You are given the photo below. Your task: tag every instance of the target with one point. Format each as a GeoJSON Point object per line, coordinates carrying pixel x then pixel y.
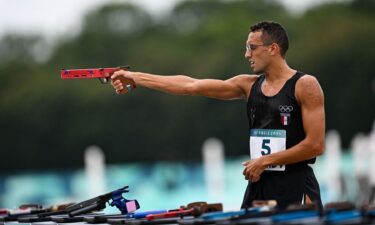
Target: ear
{"type": "Point", "coordinates": [274, 49]}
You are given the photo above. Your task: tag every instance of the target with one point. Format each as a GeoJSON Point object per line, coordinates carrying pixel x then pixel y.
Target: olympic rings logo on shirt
{"type": "Point", "coordinates": [285, 108]}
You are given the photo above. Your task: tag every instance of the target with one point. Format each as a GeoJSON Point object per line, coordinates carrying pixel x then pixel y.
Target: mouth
{"type": "Point", "coordinates": [251, 62]}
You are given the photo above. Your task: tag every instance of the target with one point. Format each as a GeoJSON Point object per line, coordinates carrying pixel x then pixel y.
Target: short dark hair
{"type": "Point", "coordinates": [272, 32]}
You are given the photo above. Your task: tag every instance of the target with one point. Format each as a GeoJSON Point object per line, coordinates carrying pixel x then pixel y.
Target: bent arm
{"type": "Point", "coordinates": [233, 88]}
{"type": "Point", "coordinates": [311, 98]}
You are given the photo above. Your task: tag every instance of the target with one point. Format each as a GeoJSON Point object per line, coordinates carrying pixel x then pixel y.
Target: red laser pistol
{"type": "Point", "coordinates": [103, 74]}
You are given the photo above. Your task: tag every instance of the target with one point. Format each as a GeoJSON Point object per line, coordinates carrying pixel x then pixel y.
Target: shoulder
{"type": "Point", "coordinates": [308, 89]}
{"type": "Point", "coordinates": [244, 81]}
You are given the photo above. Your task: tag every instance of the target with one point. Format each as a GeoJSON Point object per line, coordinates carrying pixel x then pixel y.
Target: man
{"type": "Point", "coordinates": [286, 116]}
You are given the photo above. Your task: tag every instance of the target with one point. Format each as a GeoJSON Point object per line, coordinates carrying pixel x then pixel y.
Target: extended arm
{"type": "Point", "coordinates": [310, 96]}
{"type": "Point", "coordinates": [234, 88]}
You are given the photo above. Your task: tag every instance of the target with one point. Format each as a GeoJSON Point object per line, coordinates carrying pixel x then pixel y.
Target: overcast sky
{"type": "Point", "coordinates": [53, 18]}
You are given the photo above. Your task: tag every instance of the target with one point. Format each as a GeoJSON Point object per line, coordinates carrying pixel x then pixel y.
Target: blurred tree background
{"type": "Point", "coordinates": [46, 122]}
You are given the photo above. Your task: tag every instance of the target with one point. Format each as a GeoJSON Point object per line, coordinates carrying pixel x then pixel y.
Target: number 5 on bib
{"type": "Point", "coordinates": [267, 141]}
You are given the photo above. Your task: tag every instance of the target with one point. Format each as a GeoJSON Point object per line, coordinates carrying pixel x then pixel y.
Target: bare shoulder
{"type": "Point", "coordinates": [309, 89]}
{"type": "Point", "coordinates": [244, 81]}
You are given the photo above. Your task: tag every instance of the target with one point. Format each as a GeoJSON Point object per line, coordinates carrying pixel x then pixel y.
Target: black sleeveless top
{"type": "Point", "coordinates": [281, 112]}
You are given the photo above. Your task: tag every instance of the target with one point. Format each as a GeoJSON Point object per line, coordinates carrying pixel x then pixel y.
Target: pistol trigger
{"type": "Point", "coordinates": [104, 80]}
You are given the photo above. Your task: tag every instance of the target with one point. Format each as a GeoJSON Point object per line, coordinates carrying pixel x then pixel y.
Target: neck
{"type": "Point", "coordinates": [279, 70]}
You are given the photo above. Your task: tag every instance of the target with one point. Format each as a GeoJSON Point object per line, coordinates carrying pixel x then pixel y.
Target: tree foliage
{"type": "Point", "coordinates": [47, 122]}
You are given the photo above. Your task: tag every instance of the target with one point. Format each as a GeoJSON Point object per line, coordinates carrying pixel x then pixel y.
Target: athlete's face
{"type": "Point", "coordinates": [257, 52]}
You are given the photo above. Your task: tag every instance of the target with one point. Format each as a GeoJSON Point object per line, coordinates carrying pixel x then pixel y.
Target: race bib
{"type": "Point", "coordinates": [265, 142]}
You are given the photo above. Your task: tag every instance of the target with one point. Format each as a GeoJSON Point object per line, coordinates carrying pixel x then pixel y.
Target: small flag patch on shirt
{"type": "Point", "coordinates": [285, 118]}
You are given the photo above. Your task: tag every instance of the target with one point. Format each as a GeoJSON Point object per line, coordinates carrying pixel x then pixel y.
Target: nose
{"type": "Point", "coordinates": [248, 54]}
